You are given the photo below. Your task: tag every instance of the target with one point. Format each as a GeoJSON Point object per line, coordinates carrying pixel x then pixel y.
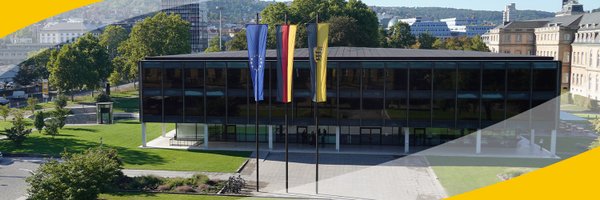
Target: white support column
{"type": "Point", "coordinates": [164, 130]}
{"type": "Point", "coordinates": [553, 142]}
{"type": "Point", "coordinates": [406, 140]}
{"type": "Point", "coordinates": [206, 136]}
{"type": "Point", "coordinates": [478, 142]}
{"type": "Point", "coordinates": [532, 137]}
{"type": "Point", "coordinates": [337, 138]}
{"type": "Point", "coordinates": [270, 137]}
{"type": "Point", "coordinates": [143, 134]}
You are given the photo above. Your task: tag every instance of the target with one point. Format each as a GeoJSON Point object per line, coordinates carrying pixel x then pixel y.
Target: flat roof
{"type": "Point", "coordinates": [363, 53]}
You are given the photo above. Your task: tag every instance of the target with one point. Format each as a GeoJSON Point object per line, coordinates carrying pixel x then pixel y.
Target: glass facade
{"type": "Point", "coordinates": [369, 101]}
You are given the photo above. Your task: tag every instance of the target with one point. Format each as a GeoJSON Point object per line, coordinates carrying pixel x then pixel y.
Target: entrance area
{"type": "Point", "coordinates": [370, 136]}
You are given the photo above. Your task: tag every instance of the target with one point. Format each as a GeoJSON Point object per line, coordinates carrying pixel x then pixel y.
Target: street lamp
{"type": "Point", "coordinates": [220, 9]}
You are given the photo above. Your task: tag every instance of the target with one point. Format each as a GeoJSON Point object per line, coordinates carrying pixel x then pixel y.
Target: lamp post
{"type": "Point", "coordinates": [220, 9]}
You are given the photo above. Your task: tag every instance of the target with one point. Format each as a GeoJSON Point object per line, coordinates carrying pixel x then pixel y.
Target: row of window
{"type": "Point", "coordinates": [583, 58]}
{"type": "Point", "coordinates": [367, 93]}
{"type": "Point", "coordinates": [592, 83]}
{"type": "Point", "coordinates": [587, 37]}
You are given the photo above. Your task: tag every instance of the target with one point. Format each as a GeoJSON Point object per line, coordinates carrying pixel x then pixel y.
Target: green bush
{"type": "Point", "coordinates": [19, 131]}
{"type": "Point", "coordinates": [60, 101]}
{"type": "Point", "coordinates": [139, 183]}
{"type": "Point", "coordinates": [38, 121]}
{"type": "Point", "coordinates": [79, 176]}
{"type": "Point", "coordinates": [102, 97]}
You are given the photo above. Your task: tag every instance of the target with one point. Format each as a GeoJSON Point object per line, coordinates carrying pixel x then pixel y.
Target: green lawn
{"type": "Point", "coordinates": [567, 146]}
{"type": "Point", "coordinates": [145, 196]}
{"type": "Point", "coordinates": [125, 136]}
{"type": "Point", "coordinates": [462, 174]}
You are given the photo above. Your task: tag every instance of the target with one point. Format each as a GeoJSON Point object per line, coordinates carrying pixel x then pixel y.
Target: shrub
{"type": "Point", "coordinates": [18, 132]}
{"type": "Point", "coordinates": [38, 121]}
{"type": "Point", "coordinates": [79, 176]}
{"type": "Point", "coordinates": [60, 101]}
{"type": "Point", "coordinates": [595, 144]}
{"type": "Point", "coordinates": [51, 126]}
{"type": "Point", "coordinates": [4, 111]}
{"type": "Point", "coordinates": [184, 188]}
{"type": "Point", "coordinates": [61, 115]}
{"type": "Point", "coordinates": [175, 182]}
{"type": "Point", "coordinates": [199, 179]}
{"type": "Point", "coordinates": [103, 97]}
{"type": "Point", "coordinates": [235, 184]}
{"type": "Point", "coordinates": [31, 103]}
{"type": "Point", "coordinates": [513, 173]}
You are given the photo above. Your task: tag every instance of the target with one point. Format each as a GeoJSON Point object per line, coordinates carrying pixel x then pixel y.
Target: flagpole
{"type": "Point", "coordinates": [317, 121]}
{"type": "Point", "coordinates": [256, 135]}
{"type": "Point", "coordinates": [286, 132]}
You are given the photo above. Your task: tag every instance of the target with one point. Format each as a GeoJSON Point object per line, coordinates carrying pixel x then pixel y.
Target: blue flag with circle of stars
{"type": "Point", "coordinates": [257, 50]}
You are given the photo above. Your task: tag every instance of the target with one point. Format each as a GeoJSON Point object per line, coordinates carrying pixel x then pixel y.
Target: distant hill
{"type": "Point", "coordinates": [437, 13]}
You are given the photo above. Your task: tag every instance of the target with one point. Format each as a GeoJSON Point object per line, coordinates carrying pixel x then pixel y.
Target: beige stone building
{"type": "Point", "coordinates": [585, 69]}
{"type": "Point", "coordinates": [571, 37]}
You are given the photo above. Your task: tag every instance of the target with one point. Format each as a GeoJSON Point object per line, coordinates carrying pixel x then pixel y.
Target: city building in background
{"type": "Point", "coordinates": [572, 37]}
{"type": "Point", "coordinates": [195, 12]}
{"type": "Point", "coordinates": [420, 25]}
{"type": "Point", "coordinates": [380, 97]}
{"type": "Point", "coordinates": [17, 53]}
{"type": "Point", "coordinates": [509, 13]}
{"type": "Point", "coordinates": [469, 27]}
{"type": "Point", "coordinates": [68, 31]}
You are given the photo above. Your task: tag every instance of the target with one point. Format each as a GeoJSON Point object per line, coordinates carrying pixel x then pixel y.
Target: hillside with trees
{"type": "Point", "coordinates": [436, 13]}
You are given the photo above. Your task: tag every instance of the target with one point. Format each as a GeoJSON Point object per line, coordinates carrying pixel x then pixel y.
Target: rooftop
{"type": "Point", "coordinates": [362, 53]}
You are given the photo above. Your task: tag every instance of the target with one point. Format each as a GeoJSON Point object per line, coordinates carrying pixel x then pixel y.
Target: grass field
{"type": "Point", "coordinates": [125, 136]}
{"type": "Point", "coordinates": [461, 174]}
{"type": "Point", "coordinates": [152, 196]}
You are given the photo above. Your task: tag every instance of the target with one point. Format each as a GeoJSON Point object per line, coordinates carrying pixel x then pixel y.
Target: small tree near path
{"type": "Point", "coordinates": [38, 121]}
{"type": "Point", "coordinates": [31, 103]}
{"type": "Point", "coordinates": [18, 132]}
{"type": "Point", "coordinates": [51, 126]}
{"type": "Point", "coordinates": [4, 111]}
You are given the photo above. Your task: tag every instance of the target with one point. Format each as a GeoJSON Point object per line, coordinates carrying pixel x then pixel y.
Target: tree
{"type": "Point", "coordinates": [400, 36]}
{"type": "Point", "coordinates": [213, 45]}
{"type": "Point", "coordinates": [4, 111]}
{"type": "Point", "coordinates": [18, 132]}
{"type": "Point", "coordinates": [158, 35]}
{"type": "Point", "coordinates": [80, 65]}
{"type": "Point", "coordinates": [31, 103]}
{"type": "Point", "coordinates": [477, 44]}
{"type": "Point", "coordinates": [304, 11]}
{"type": "Point", "coordinates": [60, 101]}
{"type": "Point", "coordinates": [111, 38]}
{"type": "Point", "coordinates": [238, 43]}
{"type": "Point", "coordinates": [61, 115]}
{"type": "Point", "coordinates": [425, 41]}
{"type": "Point", "coordinates": [34, 68]}
{"type": "Point", "coordinates": [51, 126]}
{"type": "Point", "coordinates": [78, 176]}
{"type": "Point", "coordinates": [439, 44]}
{"type": "Point", "coordinates": [38, 121]}
{"type": "Point", "coordinates": [344, 31]}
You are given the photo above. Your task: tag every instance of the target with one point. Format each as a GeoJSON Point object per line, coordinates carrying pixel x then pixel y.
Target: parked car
{"type": "Point", "coordinates": [4, 101]}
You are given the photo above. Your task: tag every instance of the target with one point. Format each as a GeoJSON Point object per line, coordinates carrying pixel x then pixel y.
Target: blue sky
{"type": "Point", "coordinates": [497, 5]}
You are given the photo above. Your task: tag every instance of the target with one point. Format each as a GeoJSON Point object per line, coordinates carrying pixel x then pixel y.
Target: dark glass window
{"type": "Point", "coordinates": [216, 101]}
{"type": "Point", "coordinates": [152, 75]}
{"type": "Point", "coordinates": [302, 92]}
{"type": "Point", "coordinates": [173, 76]}
{"type": "Point", "coordinates": [396, 93]}
{"type": "Point", "coordinates": [420, 92]}
{"type": "Point", "coordinates": [373, 80]}
{"type": "Point", "coordinates": [444, 92]}
{"type": "Point", "coordinates": [350, 78]}
{"type": "Point", "coordinates": [545, 77]}
{"type": "Point", "coordinates": [173, 91]}
{"type": "Point", "coordinates": [494, 76]}
{"type": "Point", "coordinates": [519, 77]}
{"type": "Point", "coordinates": [328, 110]}
{"type": "Point", "coordinates": [238, 80]}
{"type": "Point", "coordinates": [194, 92]}
{"type": "Point", "coordinates": [152, 101]}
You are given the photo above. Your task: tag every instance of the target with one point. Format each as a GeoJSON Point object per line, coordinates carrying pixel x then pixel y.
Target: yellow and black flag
{"type": "Point", "coordinates": [318, 37]}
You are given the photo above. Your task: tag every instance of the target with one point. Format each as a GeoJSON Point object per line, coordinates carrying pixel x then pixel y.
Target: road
{"type": "Point", "coordinates": [13, 172]}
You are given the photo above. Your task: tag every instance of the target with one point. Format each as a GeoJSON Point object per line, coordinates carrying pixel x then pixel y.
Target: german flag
{"type": "Point", "coordinates": [286, 42]}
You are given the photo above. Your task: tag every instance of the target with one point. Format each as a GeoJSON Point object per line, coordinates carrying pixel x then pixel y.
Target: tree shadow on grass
{"type": "Point", "coordinates": [55, 146]}
{"type": "Point", "coordinates": [82, 129]}
{"type": "Point", "coordinates": [131, 195]}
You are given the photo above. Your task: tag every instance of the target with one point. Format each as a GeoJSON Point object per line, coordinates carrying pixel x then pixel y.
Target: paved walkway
{"type": "Point", "coordinates": [344, 176]}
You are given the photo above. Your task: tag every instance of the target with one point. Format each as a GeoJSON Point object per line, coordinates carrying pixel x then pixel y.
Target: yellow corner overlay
{"type": "Point", "coordinates": [574, 178]}
{"type": "Point", "coordinates": [18, 14]}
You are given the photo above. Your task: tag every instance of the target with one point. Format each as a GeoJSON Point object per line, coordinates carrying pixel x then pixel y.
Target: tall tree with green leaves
{"type": "Point", "coordinates": [400, 36]}
{"type": "Point", "coordinates": [34, 68]}
{"type": "Point", "coordinates": [425, 41]}
{"type": "Point", "coordinates": [477, 44]}
{"type": "Point", "coordinates": [158, 35]}
{"type": "Point", "coordinates": [213, 45]}
{"type": "Point", "coordinates": [79, 65]}
{"type": "Point", "coordinates": [343, 31]}
{"type": "Point", "coordinates": [238, 43]}
{"type": "Point", "coordinates": [111, 38]}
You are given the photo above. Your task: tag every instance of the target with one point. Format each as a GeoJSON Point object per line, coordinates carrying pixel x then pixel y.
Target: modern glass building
{"type": "Point", "coordinates": [389, 97]}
